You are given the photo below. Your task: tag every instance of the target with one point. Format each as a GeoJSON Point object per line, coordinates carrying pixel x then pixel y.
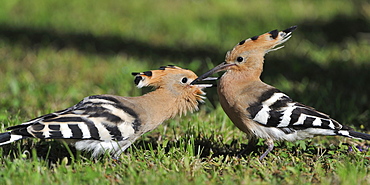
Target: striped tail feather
{"type": "Point", "coordinates": [354, 134]}
{"type": "Point", "coordinates": [8, 137]}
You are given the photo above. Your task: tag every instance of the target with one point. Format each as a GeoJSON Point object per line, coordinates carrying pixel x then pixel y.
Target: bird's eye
{"type": "Point", "coordinates": [240, 59]}
{"type": "Point", "coordinates": [184, 80]}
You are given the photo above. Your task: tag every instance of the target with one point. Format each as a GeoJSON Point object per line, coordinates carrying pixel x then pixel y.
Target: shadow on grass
{"type": "Point", "coordinates": [336, 30]}
{"type": "Point", "coordinates": [51, 151]}
{"type": "Point", "coordinates": [207, 148]}
{"type": "Point", "coordinates": [54, 152]}
{"type": "Point", "coordinates": [105, 45]}
{"type": "Point", "coordinates": [204, 147]}
{"type": "Point", "coordinates": [319, 32]}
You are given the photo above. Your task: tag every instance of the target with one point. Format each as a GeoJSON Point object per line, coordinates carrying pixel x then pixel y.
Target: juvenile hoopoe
{"type": "Point", "coordinates": [261, 110]}
{"type": "Point", "coordinates": [112, 123]}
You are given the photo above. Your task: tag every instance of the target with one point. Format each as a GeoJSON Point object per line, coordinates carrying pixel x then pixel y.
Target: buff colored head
{"type": "Point", "coordinates": [173, 78]}
{"type": "Point", "coordinates": [245, 54]}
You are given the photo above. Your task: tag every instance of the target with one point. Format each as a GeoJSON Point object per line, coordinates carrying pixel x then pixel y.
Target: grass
{"type": "Point", "coordinates": [53, 54]}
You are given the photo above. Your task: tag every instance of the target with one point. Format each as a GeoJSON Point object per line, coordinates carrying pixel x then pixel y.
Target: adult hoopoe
{"type": "Point", "coordinates": [261, 110]}
{"type": "Point", "coordinates": [112, 123]}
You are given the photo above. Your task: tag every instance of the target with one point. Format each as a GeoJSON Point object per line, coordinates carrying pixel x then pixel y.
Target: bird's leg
{"type": "Point", "coordinates": [270, 146]}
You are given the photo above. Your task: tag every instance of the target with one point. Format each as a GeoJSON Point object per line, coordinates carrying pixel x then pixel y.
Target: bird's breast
{"type": "Point", "coordinates": [234, 108]}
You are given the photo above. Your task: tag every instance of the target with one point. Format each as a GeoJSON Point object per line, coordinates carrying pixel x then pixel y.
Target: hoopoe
{"type": "Point", "coordinates": [261, 110]}
{"type": "Point", "coordinates": [112, 123]}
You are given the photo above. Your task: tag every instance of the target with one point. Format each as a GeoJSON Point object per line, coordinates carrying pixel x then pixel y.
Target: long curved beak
{"type": "Point", "coordinates": [220, 67]}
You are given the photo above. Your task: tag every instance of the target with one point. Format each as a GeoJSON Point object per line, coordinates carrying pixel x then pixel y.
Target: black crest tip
{"type": "Point", "coordinates": [148, 73]}
{"type": "Point", "coordinates": [242, 42]}
{"type": "Point", "coordinates": [134, 73]}
{"type": "Point", "coordinates": [255, 37]}
{"type": "Point", "coordinates": [291, 29]}
{"type": "Point", "coordinates": [167, 66]}
{"type": "Point", "coordinates": [274, 33]}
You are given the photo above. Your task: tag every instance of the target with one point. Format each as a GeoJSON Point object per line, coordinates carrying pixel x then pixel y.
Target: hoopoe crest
{"type": "Point", "coordinates": [261, 110]}
{"type": "Point", "coordinates": [101, 123]}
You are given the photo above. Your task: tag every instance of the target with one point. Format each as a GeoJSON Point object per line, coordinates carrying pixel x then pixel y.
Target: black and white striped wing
{"type": "Point", "coordinates": [276, 109]}
{"type": "Point", "coordinates": [99, 117]}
